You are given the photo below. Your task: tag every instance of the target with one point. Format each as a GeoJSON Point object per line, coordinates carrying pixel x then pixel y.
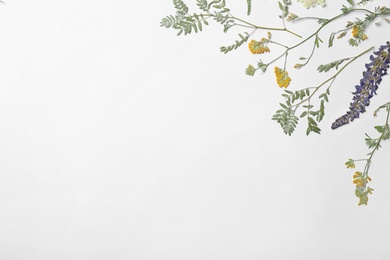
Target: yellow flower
{"type": "Point", "coordinates": [359, 179]}
{"type": "Point", "coordinates": [258, 47]}
{"type": "Point", "coordinates": [355, 33]}
{"type": "Point", "coordinates": [282, 77]}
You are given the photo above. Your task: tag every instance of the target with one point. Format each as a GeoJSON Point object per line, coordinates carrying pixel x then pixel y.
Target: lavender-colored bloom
{"type": "Point", "coordinates": [368, 86]}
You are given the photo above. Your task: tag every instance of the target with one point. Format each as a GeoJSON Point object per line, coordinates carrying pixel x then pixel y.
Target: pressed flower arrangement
{"type": "Point", "coordinates": [297, 103]}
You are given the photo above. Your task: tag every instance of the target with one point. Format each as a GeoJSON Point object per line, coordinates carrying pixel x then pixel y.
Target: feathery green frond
{"type": "Point", "coordinates": [238, 43]}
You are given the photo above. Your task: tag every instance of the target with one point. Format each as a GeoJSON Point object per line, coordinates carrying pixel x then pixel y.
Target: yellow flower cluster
{"type": "Point", "coordinates": [356, 31]}
{"type": "Point", "coordinates": [258, 47]}
{"type": "Point", "coordinates": [282, 78]}
{"type": "Point", "coordinates": [360, 180]}
{"type": "Point", "coordinates": [361, 191]}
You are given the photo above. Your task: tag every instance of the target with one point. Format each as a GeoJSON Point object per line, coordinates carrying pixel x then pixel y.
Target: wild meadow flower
{"type": "Point", "coordinates": [258, 47]}
{"type": "Point", "coordinates": [368, 86]}
{"type": "Point", "coordinates": [282, 78]}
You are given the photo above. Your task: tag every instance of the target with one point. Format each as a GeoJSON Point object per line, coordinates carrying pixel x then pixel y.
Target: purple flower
{"type": "Point", "coordinates": [368, 86]}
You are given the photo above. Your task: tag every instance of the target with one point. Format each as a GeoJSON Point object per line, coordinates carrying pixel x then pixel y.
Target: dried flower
{"type": "Point", "coordinates": [291, 17]}
{"type": "Point", "coordinates": [282, 77]}
{"type": "Point", "coordinates": [357, 32]}
{"type": "Point", "coordinates": [258, 47]}
{"type": "Point", "coordinates": [368, 86]}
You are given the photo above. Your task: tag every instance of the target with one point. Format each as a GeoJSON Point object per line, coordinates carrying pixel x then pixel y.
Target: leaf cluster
{"type": "Point", "coordinates": [293, 99]}
{"type": "Point", "coordinates": [286, 118]}
{"type": "Point", "coordinates": [249, 7]}
{"type": "Point", "coordinates": [284, 7]}
{"type": "Point", "coordinates": [184, 22]}
{"type": "Point", "coordinates": [286, 115]}
{"type": "Point", "coordinates": [374, 143]}
{"type": "Point", "coordinates": [238, 43]}
{"type": "Point", "coordinates": [329, 66]}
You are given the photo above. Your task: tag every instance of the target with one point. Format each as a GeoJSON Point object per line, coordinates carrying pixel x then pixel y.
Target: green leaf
{"type": "Point", "coordinates": [379, 128]}
{"type": "Point", "coordinates": [329, 66]}
{"type": "Point", "coordinates": [238, 43]}
{"type": "Point", "coordinates": [249, 7]}
{"type": "Point", "coordinates": [331, 39]}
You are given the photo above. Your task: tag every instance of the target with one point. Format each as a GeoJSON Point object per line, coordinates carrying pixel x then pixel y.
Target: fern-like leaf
{"type": "Point", "coordinates": [249, 7]}
{"type": "Point", "coordinates": [180, 6]}
{"type": "Point", "coordinates": [203, 5]}
{"type": "Point", "coordinates": [286, 118]}
{"type": "Point", "coordinates": [238, 43]}
{"type": "Point", "coordinates": [329, 66]}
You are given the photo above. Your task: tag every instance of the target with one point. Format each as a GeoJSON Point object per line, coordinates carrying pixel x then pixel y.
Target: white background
{"type": "Point", "coordinates": [120, 140]}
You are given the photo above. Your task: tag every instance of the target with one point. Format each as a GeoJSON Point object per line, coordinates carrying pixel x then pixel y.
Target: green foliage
{"type": "Point", "coordinates": [361, 178]}
{"type": "Point", "coordinates": [262, 66]}
{"type": "Point", "coordinates": [203, 5]}
{"type": "Point", "coordinates": [333, 64]}
{"type": "Point", "coordinates": [364, 2]}
{"type": "Point", "coordinates": [250, 70]}
{"type": "Point", "coordinates": [284, 8]}
{"type": "Point", "coordinates": [346, 10]}
{"type": "Point", "coordinates": [180, 7]}
{"type": "Point", "coordinates": [183, 22]}
{"type": "Point", "coordinates": [186, 24]}
{"type": "Point", "coordinates": [286, 118]}
{"type": "Point", "coordinates": [312, 126]}
{"type": "Point", "coordinates": [297, 102]}
{"type": "Point", "coordinates": [238, 43]}
{"type": "Point", "coordinates": [293, 100]}
{"type": "Point", "coordinates": [322, 21]}
{"type": "Point", "coordinates": [249, 7]}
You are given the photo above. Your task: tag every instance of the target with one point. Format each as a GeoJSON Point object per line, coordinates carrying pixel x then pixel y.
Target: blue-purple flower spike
{"type": "Point", "coordinates": [372, 77]}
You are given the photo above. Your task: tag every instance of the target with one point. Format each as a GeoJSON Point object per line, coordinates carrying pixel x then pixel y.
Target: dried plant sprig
{"type": "Point", "coordinates": [368, 86]}
{"type": "Point", "coordinates": [309, 99]}
{"type": "Point", "coordinates": [303, 97]}
{"type": "Point", "coordinates": [361, 178]}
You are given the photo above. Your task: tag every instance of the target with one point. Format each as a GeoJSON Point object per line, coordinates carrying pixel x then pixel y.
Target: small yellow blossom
{"type": "Point", "coordinates": [350, 164]}
{"type": "Point", "coordinates": [282, 77]}
{"type": "Point", "coordinates": [355, 33]}
{"type": "Point", "coordinates": [258, 47]}
{"type": "Point", "coordinates": [359, 179]}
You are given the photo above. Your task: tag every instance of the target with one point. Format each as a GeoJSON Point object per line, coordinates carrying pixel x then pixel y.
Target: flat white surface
{"type": "Point", "coordinates": [119, 140]}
